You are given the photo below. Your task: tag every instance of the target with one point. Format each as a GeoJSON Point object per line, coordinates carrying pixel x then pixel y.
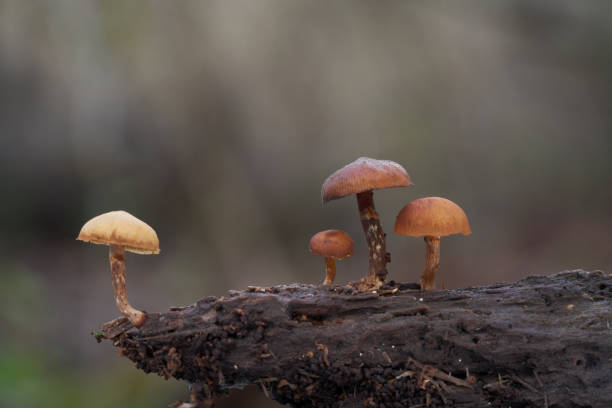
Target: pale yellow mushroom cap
{"type": "Point", "coordinates": [123, 229]}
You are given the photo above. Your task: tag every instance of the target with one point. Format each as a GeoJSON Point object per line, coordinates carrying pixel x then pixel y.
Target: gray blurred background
{"type": "Point", "coordinates": [216, 123]}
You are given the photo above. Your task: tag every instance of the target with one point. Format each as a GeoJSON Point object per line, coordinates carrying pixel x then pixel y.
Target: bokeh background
{"type": "Point", "coordinates": [216, 122]}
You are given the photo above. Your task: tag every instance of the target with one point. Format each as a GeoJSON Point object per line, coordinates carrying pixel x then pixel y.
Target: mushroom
{"type": "Point", "coordinates": [361, 177]}
{"type": "Point", "coordinates": [122, 232]}
{"type": "Point", "coordinates": [431, 217]}
{"type": "Point", "coordinates": [332, 245]}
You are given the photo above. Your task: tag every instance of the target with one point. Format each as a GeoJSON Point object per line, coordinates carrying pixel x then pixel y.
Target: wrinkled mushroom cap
{"type": "Point", "coordinates": [432, 216]}
{"type": "Point", "coordinates": [362, 175]}
{"type": "Point", "coordinates": [332, 244]}
{"type": "Point", "coordinates": [122, 229]}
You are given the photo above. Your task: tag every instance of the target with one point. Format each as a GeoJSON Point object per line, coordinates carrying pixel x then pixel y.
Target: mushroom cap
{"type": "Point", "coordinates": [432, 216]}
{"type": "Point", "coordinates": [122, 229]}
{"type": "Point", "coordinates": [362, 175]}
{"type": "Point", "coordinates": [332, 244]}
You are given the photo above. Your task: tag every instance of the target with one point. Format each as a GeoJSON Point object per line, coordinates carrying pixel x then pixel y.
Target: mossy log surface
{"type": "Point", "coordinates": [544, 341]}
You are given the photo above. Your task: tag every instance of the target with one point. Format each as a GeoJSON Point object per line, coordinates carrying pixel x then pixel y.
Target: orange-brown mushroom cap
{"type": "Point", "coordinates": [122, 229]}
{"type": "Point", "coordinates": [334, 244]}
{"type": "Point", "coordinates": [364, 174]}
{"type": "Point", "coordinates": [432, 216]}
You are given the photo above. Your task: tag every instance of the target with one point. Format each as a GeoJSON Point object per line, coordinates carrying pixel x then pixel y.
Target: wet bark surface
{"type": "Point", "coordinates": [543, 341]}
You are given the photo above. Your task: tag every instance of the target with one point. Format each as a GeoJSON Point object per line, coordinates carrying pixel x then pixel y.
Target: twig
{"type": "Point", "coordinates": [525, 384]}
{"type": "Point", "coordinates": [537, 377]}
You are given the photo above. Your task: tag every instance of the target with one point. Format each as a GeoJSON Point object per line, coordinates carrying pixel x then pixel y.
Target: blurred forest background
{"type": "Point", "coordinates": [216, 122]}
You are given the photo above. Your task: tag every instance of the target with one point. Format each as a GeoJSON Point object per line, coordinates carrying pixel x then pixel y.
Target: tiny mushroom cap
{"type": "Point", "coordinates": [362, 175]}
{"type": "Point", "coordinates": [122, 229]}
{"type": "Point", "coordinates": [334, 244]}
{"type": "Point", "coordinates": [432, 216]}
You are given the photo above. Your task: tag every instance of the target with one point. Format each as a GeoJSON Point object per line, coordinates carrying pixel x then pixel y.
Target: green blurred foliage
{"type": "Point", "coordinates": [29, 379]}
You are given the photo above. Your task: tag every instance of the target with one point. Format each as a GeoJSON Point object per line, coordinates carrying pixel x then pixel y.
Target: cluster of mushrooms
{"type": "Point", "coordinates": [431, 217]}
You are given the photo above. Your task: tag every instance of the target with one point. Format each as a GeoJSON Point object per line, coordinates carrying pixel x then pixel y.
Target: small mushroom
{"type": "Point", "coordinates": [122, 232]}
{"type": "Point", "coordinates": [332, 245]}
{"type": "Point", "coordinates": [361, 177]}
{"type": "Point", "coordinates": [431, 217]}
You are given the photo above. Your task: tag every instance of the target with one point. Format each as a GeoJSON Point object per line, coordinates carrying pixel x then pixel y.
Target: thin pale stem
{"type": "Point", "coordinates": [375, 236]}
{"type": "Point", "coordinates": [432, 262]}
{"type": "Point", "coordinates": [330, 271]}
{"type": "Point", "coordinates": [117, 261]}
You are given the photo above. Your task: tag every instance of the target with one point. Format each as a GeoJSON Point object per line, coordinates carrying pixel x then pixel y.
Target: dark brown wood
{"type": "Point", "coordinates": [375, 237]}
{"type": "Point", "coordinates": [544, 341]}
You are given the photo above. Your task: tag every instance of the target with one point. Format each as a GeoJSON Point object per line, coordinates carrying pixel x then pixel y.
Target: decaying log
{"type": "Point", "coordinates": [544, 341]}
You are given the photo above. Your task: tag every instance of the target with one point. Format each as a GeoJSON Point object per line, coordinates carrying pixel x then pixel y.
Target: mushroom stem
{"type": "Point", "coordinates": [117, 261]}
{"type": "Point", "coordinates": [375, 236]}
{"type": "Point", "coordinates": [330, 270]}
{"type": "Point", "coordinates": [432, 262]}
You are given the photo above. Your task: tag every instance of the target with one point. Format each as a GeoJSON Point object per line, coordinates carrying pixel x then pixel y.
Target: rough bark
{"type": "Point", "coordinates": [544, 341]}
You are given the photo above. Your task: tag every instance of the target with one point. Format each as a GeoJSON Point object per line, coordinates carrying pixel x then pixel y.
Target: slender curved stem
{"type": "Point", "coordinates": [432, 262]}
{"type": "Point", "coordinates": [117, 261]}
{"type": "Point", "coordinates": [330, 271]}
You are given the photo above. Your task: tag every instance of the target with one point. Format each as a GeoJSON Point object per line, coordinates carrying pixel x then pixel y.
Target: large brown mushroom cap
{"type": "Point", "coordinates": [364, 174]}
{"type": "Point", "coordinates": [122, 229]}
{"type": "Point", "coordinates": [334, 244]}
{"type": "Point", "coordinates": [432, 216]}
